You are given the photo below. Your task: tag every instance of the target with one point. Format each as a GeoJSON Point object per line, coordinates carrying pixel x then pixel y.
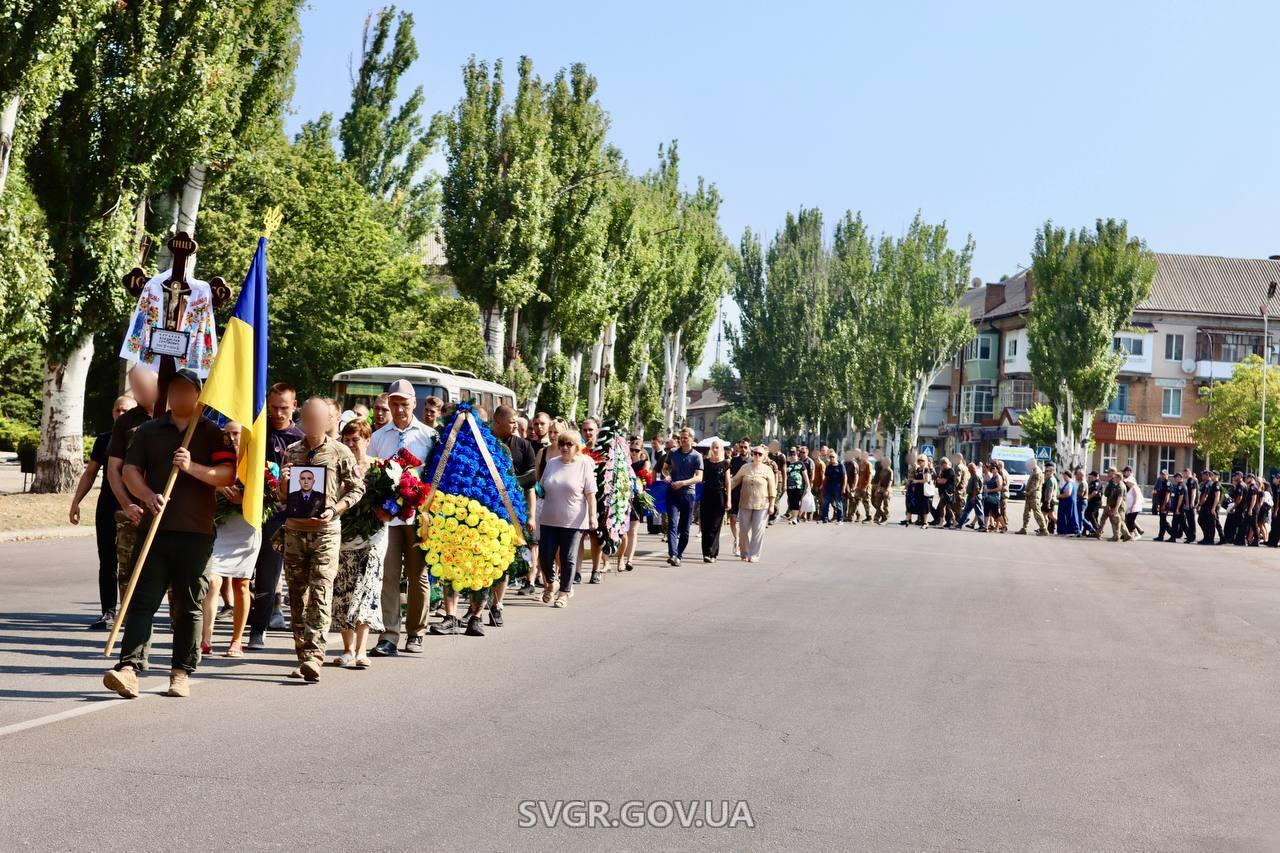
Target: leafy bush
{"type": "Point", "coordinates": [12, 434]}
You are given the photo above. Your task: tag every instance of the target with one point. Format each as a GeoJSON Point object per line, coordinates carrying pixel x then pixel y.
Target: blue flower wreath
{"type": "Point", "coordinates": [468, 476]}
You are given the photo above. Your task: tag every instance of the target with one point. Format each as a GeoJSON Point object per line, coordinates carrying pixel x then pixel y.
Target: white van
{"type": "Point", "coordinates": [1017, 463]}
{"type": "Point", "coordinates": [452, 386]}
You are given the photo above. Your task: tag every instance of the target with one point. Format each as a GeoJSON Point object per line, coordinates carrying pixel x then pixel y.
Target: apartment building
{"type": "Point", "coordinates": [1201, 318]}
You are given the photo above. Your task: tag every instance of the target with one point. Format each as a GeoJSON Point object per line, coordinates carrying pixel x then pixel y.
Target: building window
{"type": "Point", "coordinates": [1016, 394]}
{"type": "Point", "coordinates": [1011, 348]}
{"type": "Point", "coordinates": [1171, 402]}
{"type": "Point", "coordinates": [1239, 347]}
{"type": "Point", "coordinates": [1168, 459]}
{"type": "Point", "coordinates": [977, 403]}
{"type": "Point", "coordinates": [978, 349]}
{"type": "Point", "coordinates": [1108, 456]}
{"type": "Point", "coordinates": [1128, 346]}
{"type": "Point", "coordinates": [1119, 404]}
{"type": "Point", "coordinates": [1173, 347]}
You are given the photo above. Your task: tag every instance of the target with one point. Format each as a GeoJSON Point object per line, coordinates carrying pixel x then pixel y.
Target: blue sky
{"type": "Point", "coordinates": [992, 116]}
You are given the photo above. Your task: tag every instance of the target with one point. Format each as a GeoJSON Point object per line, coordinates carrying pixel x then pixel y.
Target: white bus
{"type": "Point", "coordinates": [452, 386]}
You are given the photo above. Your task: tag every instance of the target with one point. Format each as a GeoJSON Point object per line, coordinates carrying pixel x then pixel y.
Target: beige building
{"type": "Point", "coordinates": [1201, 318]}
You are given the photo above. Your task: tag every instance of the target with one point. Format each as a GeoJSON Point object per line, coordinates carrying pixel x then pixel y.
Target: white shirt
{"type": "Point", "coordinates": [1133, 498]}
{"type": "Point", "coordinates": [418, 438]}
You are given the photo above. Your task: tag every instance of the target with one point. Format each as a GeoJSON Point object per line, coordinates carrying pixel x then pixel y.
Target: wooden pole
{"type": "Point", "coordinates": [151, 535]}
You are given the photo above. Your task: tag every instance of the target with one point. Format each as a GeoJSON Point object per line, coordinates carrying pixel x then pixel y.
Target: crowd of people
{"type": "Point", "coordinates": [338, 562]}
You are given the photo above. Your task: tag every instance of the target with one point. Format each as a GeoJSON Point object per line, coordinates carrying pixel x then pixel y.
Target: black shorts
{"type": "Point", "coordinates": [794, 497]}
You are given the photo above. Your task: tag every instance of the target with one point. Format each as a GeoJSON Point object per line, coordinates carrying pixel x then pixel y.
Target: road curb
{"type": "Point", "coordinates": [45, 533]}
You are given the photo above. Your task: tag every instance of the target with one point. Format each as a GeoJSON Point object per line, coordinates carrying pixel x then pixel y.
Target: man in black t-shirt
{"type": "Point", "coordinates": [945, 481]}
{"type": "Point", "coordinates": [1208, 507]}
{"type": "Point", "coordinates": [181, 547]}
{"type": "Point", "coordinates": [104, 521]}
{"type": "Point", "coordinates": [1159, 505]}
{"type": "Point", "coordinates": [1175, 497]}
{"type": "Point", "coordinates": [741, 456]}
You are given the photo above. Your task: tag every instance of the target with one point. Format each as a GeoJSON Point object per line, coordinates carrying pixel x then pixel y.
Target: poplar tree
{"type": "Point", "coordinates": [1087, 284]}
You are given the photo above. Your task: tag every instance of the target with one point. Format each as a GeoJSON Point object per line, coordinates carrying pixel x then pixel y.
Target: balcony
{"type": "Point", "coordinates": [1137, 349]}
{"type": "Point", "coordinates": [1214, 371]}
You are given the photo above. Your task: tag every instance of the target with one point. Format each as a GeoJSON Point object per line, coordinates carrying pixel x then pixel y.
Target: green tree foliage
{"type": "Point", "coordinates": [347, 287]}
{"type": "Point", "coordinates": [1039, 427]}
{"type": "Point", "coordinates": [1087, 284]}
{"type": "Point", "coordinates": [1232, 428]}
{"type": "Point", "coordinates": [387, 144]}
{"type": "Point", "coordinates": [496, 193]}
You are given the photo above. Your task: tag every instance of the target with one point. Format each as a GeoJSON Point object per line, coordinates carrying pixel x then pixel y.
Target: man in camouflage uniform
{"type": "Point", "coordinates": [1004, 495]}
{"type": "Point", "coordinates": [862, 490]}
{"type": "Point", "coordinates": [311, 544]}
{"type": "Point", "coordinates": [1032, 494]}
{"type": "Point", "coordinates": [1113, 507]}
{"type": "Point", "coordinates": [880, 486]}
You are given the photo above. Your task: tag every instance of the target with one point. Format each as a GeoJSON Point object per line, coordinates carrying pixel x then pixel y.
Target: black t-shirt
{"type": "Point", "coordinates": [278, 440]}
{"type": "Point", "coordinates": [1177, 492]}
{"type": "Point", "coordinates": [1095, 493]}
{"type": "Point", "coordinates": [1209, 492]}
{"type": "Point", "coordinates": [107, 502]}
{"type": "Point", "coordinates": [191, 504]}
{"type": "Point", "coordinates": [713, 478]}
{"type": "Point", "coordinates": [523, 460]}
{"type": "Point", "coordinates": [945, 480]}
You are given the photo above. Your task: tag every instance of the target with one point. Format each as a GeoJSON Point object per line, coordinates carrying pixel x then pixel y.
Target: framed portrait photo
{"type": "Point", "coordinates": [306, 492]}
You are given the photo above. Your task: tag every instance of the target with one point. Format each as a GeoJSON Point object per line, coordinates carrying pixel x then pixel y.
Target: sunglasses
{"type": "Point", "coordinates": [756, 453]}
{"type": "Point", "coordinates": [564, 443]}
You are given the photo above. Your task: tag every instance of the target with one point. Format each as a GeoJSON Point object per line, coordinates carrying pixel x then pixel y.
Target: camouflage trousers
{"type": "Point", "coordinates": [860, 504]}
{"type": "Point", "coordinates": [126, 539]}
{"type": "Point", "coordinates": [310, 565]}
{"type": "Point", "coordinates": [1033, 512]}
{"type": "Point", "coordinates": [881, 502]}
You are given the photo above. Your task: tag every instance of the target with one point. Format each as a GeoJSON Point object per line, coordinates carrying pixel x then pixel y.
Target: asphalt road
{"type": "Point", "coordinates": [859, 689]}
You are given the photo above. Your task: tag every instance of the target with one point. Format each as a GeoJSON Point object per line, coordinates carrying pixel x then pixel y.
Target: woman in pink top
{"type": "Point", "coordinates": [567, 508]}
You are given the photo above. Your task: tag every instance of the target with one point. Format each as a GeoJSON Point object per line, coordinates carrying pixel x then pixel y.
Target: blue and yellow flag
{"type": "Point", "coordinates": [237, 383]}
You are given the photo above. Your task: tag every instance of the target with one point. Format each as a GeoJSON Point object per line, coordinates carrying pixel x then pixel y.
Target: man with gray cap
{"type": "Point", "coordinates": [404, 557]}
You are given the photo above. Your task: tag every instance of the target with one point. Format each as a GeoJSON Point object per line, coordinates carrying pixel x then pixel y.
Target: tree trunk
{"type": "Point", "coordinates": [575, 383]}
{"type": "Point", "coordinates": [642, 379]}
{"type": "Point", "coordinates": [897, 453]}
{"type": "Point", "coordinates": [595, 383]}
{"type": "Point", "coordinates": [670, 355]}
{"type": "Point", "coordinates": [917, 408]}
{"type": "Point", "coordinates": [167, 207]}
{"type": "Point", "coordinates": [8, 124]}
{"type": "Point", "coordinates": [60, 458]}
{"type": "Point", "coordinates": [682, 391]}
{"type": "Point", "coordinates": [493, 324]}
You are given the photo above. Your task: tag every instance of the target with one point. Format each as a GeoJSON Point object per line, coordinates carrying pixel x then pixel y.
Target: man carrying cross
{"type": "Point", "coordinates": [179, 554]}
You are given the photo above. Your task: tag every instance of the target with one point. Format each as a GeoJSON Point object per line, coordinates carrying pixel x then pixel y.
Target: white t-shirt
{"type": "Point", "coordinates": [565, 489]}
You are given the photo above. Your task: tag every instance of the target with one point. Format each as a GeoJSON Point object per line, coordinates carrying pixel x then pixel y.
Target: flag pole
{"type": "Point", "coordinates": [151, 535]}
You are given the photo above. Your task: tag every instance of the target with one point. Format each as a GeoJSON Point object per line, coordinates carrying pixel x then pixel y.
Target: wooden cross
{"type": "Point", "coordinates": [176, 290]}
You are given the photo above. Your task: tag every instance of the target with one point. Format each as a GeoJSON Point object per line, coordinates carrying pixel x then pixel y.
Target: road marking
{"type": "Point", "coordinates": [102, 705]}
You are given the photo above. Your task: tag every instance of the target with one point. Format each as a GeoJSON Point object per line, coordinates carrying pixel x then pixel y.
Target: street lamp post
{"type": "Point", "coordinates": [1266, 365]}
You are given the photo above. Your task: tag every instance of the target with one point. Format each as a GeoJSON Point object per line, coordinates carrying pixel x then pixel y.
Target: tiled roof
{"type": "Point", "coordinates": [1173, 435]}
{"type": "Point", "coordinates": [1184, 284]}
{"type": "Point", "coordinates": [1205, 284]}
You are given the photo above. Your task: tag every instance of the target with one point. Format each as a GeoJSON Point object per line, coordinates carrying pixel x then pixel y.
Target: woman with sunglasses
{"type": "Point", "coordinates": [566, 511]}
{"type": "Point", "coordinates": [756, 484]}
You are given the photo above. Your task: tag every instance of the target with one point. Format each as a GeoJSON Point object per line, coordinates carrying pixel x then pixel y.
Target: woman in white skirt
{"type": "Point", "coordinates": [235, 552]}
{"type": "Point", "coordinates": [357, 590]}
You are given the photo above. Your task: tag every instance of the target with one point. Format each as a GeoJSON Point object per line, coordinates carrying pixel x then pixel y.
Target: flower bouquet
{"type": "Point", "coordinates": [468, 535]}
{"type": "Point", "coordinates": [393, 486]}
{"type": "Point", "coordinates": [225, 509]}
{"type": "Point", "coordinates": [619, 488]}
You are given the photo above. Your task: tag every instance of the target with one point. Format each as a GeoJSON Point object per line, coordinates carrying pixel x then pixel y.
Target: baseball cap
{"type": "Point", "coordinates": [401, 388]}
{"type": "Point", "coordinates": [186, 374]}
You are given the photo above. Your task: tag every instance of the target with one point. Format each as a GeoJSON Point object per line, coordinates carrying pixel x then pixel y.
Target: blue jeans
{"type": "Point", "coordinates": [562, 541]}
{"type": "Point", "coordinates": [973, 505]}
{"type": "Point", "coordinates": [832, 500]}
{"type": "Point", "coordinates": [679, 517]}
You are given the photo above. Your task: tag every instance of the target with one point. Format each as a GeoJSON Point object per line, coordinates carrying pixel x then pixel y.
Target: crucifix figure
{"type": "Point", "coordinates": [176, 291]}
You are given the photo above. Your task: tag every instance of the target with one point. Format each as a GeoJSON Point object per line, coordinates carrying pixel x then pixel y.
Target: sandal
{"type": "Point", "coordinates": [235, 650]}
{"type": "Point", "coordinates": [343, 659]}
{"type": "Point", "coordinates": [362, 662]}
{"type": "Point", "coordinates": [206, 648]}
{"type": "Point", "coordinates": [562, 600]}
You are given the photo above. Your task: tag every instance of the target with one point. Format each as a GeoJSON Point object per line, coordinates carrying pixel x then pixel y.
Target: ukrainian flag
{"type": "Point", "coordinates": [237, 383]}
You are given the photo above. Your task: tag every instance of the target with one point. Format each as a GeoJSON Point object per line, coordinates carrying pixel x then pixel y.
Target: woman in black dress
{"type": "Point", "coordinates": [715, 496]}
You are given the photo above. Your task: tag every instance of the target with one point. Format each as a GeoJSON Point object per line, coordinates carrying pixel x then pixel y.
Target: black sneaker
{"type": "Point", "coordinates": [495, 617]}
{"type": "Point", "coordinates": [630, 567]}
{"type": "Point", "coordinates": [474, 628]}
{"type": "Point", "coordinates": [277, 621]}
{"type": "Point", "coordinates": [384, 649]}
{"type": "Point", "coordinates": [577, 577]}
{"type": "Point", "coordinates": [413, 646]}
{"type": "Point", "coordinates": [447, 625]}
{"type": "Point", "coordinates": [675, 561]}
{"type": "Point", "coordinates": [595, 577]}
{"type": "Point", "coordinates": [103, 622]}
{"type": "Point", "coordinates": [257, 640]}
